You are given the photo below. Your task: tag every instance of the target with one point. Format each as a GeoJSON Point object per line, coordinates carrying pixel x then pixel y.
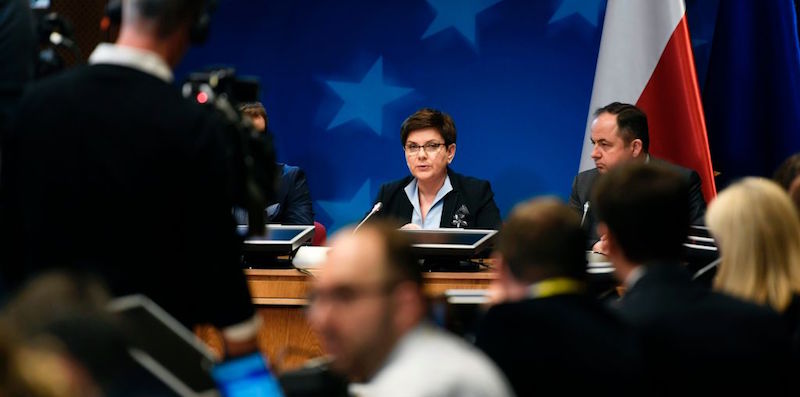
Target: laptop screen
{"type": "Point", "coordinates": [463, 243]}
{"type": "Point", "coordinates": [469, 238]}
{"type": "Point", "coordinates": [283, 234]}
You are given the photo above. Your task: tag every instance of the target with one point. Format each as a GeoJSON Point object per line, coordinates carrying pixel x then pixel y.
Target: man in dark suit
{"type": "Point", "coordinates": [619, 135]}
{"type": "Point", "coordinates": [692, 337]}
{"type": "Point", "coordinates": [292, 203]}
{"type": "Point", "coordinates": [109, 170]}
{"type": "Point", "coordinates": [435, 196]}
{"type": "Point", "coordinates": [551, 337]}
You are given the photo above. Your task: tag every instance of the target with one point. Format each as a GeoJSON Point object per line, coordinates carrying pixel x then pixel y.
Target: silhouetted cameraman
{"type": "Point", "coordinates": [110, 170]}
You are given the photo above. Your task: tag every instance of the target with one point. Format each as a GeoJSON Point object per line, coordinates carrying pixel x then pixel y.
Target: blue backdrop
{"type": "Point", "coordinates": [752, 96]}
{"type": "Point", "coordinates": [338, 78]}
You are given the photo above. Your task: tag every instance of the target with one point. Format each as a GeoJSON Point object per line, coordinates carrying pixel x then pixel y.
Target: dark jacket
{"type": "Point", "coordinates": [584, 182]}
{"type": "Point", "coordinates": [696, 339]}
{"type": "Point", "coordinates": [292, 204]}
{"type": "Point", "coordinates": [791, 318]}
{"type": "Point", "coordinates": [109, 170]}
{"type": "Point", "coordinates": [562, 345]}
{"type": "Point", "coordinates": [470, 197]}
{"type": "Point", "coordinates": [293, 199]}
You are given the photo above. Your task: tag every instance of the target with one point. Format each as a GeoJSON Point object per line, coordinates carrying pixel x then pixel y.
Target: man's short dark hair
{"type": "Point", "coordinates": [255, 109]}
{"type": "Point", "coordinates": [429, 118]}
{"type": "Point", "coordinates": [788, 171]}
{"type": "Point", "coordinates": [543, 237]}
{"type": "Point", "coordinates": [400, 262]}
{"type": "Point", "coordinates": [631, 122]}
{"type": "Point", "coordinates": [646, 210]}
{"type": "Point", "coordinates": [169, 15]}
{"type": "Point", "coordinates": [788, 176]}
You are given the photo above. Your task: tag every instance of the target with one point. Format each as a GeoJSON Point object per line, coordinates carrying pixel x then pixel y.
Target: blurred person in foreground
{"type": "Point", "coordinates": [694, 339]}
{"type": "Point", "coordinates": [757, 230]}
{"type": "Point", "coordinates": [62, 342]}
{"type": "Point", "coordinates": [109, 170]}
{"type": "Point", "coordinates": [434, 196]}
{"type": "Point", "coordinates": [551, 337]}
{"type": "Point", "coordinates": [292, 203]}
{"type": "Point", "coordinates": [368, 309]}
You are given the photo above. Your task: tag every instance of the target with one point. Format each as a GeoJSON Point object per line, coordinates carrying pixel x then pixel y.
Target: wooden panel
{"type": "Point", "coordinates": [279, 302]}
{"type": "Point", "coordinates": [435, 283]}
{"type": "Point", "coordinates": [286, 338]}
{"type": "Point", "coordinates": [280, 296]}
{"type": "Point", "coordinates": [277, 284]}
{"type": "Point", "coordinates": [266, 285]}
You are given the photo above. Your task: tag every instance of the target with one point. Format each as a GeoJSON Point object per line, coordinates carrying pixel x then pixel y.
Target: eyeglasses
{"type": "Point", "coordinates": [429, 148]}
{"type": "Point", "coordinates": [346, 296]}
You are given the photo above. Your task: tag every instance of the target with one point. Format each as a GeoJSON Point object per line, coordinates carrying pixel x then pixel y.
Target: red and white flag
{"type": "Point", "coordinates": [646, 59]}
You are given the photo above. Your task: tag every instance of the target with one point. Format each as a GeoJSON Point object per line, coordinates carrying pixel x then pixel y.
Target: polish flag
{"type": "Point", "coordinates": [646, 59]}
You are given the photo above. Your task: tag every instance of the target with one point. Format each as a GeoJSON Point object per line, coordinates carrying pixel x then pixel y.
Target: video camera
{"type": "Point", "coordinates": [255, 170]}
{"type": "Point", "coordinates": [53, 32]}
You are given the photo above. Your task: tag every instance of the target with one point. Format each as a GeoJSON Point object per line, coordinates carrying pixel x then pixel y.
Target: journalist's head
{"type": "Point", "coordinates": [368, 295]}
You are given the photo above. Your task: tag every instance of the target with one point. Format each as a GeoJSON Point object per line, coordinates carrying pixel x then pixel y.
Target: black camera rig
{"type": "Point", "coordinates": [254, 166]}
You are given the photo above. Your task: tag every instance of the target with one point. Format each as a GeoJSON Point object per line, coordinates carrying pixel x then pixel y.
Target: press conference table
{"type": "Point", "coordinates": [280, 297]}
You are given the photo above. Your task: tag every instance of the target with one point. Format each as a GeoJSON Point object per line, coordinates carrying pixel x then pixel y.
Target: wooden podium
{"type": "Point", "coordinates": [280, 297]}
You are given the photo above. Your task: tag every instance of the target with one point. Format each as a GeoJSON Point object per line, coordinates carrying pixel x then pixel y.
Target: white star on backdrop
{"type": "Point", "coordinates": [589, 10]}
{"type": "Point", "coordinates": [458, 14]}
{"type": "Point", "coordinates": [365, 100]}
{"type": "Point", "coordinates": [343, 213]}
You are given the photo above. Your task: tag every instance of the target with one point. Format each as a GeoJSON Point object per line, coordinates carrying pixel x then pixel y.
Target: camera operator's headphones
{"type": "Point", "coordinates": [198, 32]}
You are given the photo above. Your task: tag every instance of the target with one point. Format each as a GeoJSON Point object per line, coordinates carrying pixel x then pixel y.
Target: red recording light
{"type": "Point", "coordinates": [202, 97]}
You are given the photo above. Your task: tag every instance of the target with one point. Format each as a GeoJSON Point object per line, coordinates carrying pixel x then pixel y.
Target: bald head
{"type": "Point", "coordinates": [358, 256]}
{"type": "Point", "coordinates": [367, 296]}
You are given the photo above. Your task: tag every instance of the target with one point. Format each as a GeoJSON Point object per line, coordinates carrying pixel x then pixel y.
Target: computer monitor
{"type": "Point", "coordinates": [40, 4]}
{"type": "Point", "coordinates": [278, 239]}
{"type": "Point", "coordinates": [176, 357]}
{"type": "Point", "coordinates": [165, 347]}
{"type": "Point", "coordinates": [456, 243]}
{"type": "Point", "coordinates": [699, 251]}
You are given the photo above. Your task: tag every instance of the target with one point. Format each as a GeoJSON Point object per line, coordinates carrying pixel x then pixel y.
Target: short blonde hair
{"type": "Point", "coordinates": [758, 233]}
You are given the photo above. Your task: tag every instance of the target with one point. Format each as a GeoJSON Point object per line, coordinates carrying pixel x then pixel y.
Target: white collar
{"type": "Point", "coordinates": [412, 191]}
{"type": "Point", "coordinates": [136, 58]}
{"type": "Point", "coordinates": [405, 343]}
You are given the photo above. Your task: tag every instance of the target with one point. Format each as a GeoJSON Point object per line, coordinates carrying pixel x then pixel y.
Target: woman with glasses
{"type": "Point", "coordinates": [434, 196]}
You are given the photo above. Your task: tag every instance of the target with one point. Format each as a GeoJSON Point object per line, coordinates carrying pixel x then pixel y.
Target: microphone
{"type": "Point", "coordinates": [585, 211]}
{"type": "Point", "coordinates": [375, 208]}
